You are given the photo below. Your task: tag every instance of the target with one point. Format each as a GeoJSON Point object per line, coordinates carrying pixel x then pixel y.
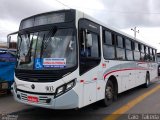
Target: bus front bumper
{"type": "Point", "coordinates": [69, 100]}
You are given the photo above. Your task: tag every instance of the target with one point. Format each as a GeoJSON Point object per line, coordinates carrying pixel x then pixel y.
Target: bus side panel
{"type": "Point", "coordinates": [101, 84]}
{"type": "Point", "coordinates": [89, 93]}
{"type": "Point", "coordinates": [153, 71]}
{"type": "Point", "coordinates": [91, 80]}
{"type": "Point", "coordinates": [141, 76]}
{"type": "Point", "coordinates": [79, 91]}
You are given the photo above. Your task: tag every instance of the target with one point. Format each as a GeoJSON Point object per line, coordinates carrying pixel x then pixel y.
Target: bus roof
{"type": "Point", "coordinates": [116, 30]}
{"type": "Point", "coordinates": [96, 21]}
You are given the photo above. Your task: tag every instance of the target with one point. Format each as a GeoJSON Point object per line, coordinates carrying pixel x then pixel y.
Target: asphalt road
{"type": "Point", "coordinates": [133, 104]}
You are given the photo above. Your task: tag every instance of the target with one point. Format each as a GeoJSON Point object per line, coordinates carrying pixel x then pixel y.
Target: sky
{"type": "Point", "coordinates": [120, 14]}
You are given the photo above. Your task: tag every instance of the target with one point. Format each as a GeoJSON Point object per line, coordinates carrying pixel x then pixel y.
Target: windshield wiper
{"type": "Point", "coordinates": [47, 39]}
{"type": "Point", "coordinates": [30, 46]}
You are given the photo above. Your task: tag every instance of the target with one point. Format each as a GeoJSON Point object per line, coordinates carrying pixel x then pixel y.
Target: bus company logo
{"type": "Point", "coordinates": [33, 86]}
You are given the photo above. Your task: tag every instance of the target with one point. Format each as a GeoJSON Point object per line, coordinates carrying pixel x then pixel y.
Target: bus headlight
{"type": "Point", "coordinates": [60, 90]}
{"type": "Point", "coordinates": [64, 88]}
{"type": "Point", "coordinates": [70, 85]}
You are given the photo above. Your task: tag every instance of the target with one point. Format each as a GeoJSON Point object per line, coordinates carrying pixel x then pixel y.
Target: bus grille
{"type": "Point", "coordinates": [39, 77]}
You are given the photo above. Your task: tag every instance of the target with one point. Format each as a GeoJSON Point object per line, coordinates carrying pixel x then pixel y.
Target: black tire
{"type": "Point", "coordinates": [109, 94]}
{"type": "Point", "coordinates": [147, 84]}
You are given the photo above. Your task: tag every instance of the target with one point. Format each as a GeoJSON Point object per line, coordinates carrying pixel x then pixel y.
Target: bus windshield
{"type": "Point", "coordinates": [54, 49]}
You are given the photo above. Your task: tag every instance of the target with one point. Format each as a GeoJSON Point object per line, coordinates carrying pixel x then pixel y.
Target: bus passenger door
{"type": "Point", "coordinates": [89, 60]}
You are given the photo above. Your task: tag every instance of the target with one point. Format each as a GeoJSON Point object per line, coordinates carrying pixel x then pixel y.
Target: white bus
{"type": "Point", "coordinates": [66, 60]}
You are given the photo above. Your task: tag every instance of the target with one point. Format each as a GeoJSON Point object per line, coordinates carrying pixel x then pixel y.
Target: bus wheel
{"type": "Point", "coordinates": [109, 94]}
{"type": "Point", "coordinates": [146, 85]}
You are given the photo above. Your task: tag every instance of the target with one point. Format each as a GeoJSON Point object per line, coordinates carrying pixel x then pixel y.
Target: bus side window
{"type": "Point", "coordinates": [129, 53]}
{"type": "Point", "coordinates": [82, 43]}
{"type": "Point", "coordinates": [154, 58]}
{"type": "Point", "coordinates": [86, 43]}
{"type": "Point", "coordinates": [90, 45]}
{"type": "Point", "coordinates": [120, 48]}
{"type": "Point", "coordinates": [108, 45]}
{"type": "Point", "coordinates": [136, 51]}
{"type": "Point", "coordinates": [89, 50]}
{"type": "Point", "coordinates": [95, 48]}
{"type": "Point", "coordinates": [147, 56]}
{"type": "Point", "coordinates": [142, 52]}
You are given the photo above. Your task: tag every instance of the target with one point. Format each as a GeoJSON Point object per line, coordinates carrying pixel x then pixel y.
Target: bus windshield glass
{"type": "Point", "coordinates": [54, 49]}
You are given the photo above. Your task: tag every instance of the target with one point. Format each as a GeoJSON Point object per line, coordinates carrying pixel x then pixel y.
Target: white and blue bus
{"type": "Point", "coordinates": [66, 60]}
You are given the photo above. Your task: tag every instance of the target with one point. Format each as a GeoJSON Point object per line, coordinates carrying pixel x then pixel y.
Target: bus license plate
{"type": "Point", "coordinates": [5, 85]}
{"type": "Point", "coordinates": [32, 99]}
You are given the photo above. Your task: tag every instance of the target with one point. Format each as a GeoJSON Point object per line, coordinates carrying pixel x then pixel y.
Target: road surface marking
{"type": "Point", "coordinates": [116, 114]}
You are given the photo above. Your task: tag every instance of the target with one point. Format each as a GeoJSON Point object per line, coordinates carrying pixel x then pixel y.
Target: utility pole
{"type": "Point", "coordinates": [135, 32]}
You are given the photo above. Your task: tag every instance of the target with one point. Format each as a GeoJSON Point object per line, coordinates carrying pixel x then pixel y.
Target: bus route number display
{"type": "Point", "coordinates": [54, 62]}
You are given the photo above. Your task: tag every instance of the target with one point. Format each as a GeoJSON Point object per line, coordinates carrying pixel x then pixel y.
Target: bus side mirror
{"type": "Point", "coordinates": [89, 40]}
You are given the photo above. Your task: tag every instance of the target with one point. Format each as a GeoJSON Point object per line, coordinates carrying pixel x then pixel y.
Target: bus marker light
{"type": "Point", "coordinates": [103, 65]}
{"type": "Point", "coordinates": [81, 81]}
{"type": "Point", "coordinates": [94, 78]}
